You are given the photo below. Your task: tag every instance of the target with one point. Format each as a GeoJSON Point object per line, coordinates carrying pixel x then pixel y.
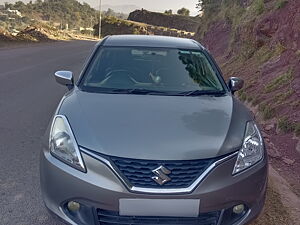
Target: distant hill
{"type": "Point", "coordinates": [120, 8]}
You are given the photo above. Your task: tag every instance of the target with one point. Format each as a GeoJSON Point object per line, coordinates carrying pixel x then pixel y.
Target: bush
{"type": "Point", "coordinates": [242, 95]}
{"type": "Point", "coordinates": [285, 125]}
{"type": "Point", "coordinates": [250, 99]}
{"type": "Point", "coordinates": [280, 4]}
{"type": "Point", "coordinates": [266, 110]}
{"type": "Point", "coordinates": [259, 6]}
{"type": "Point", "coordinates": [183, 11]}
{"type": "Point", "coordinates": [255, 101]}
{"type": "Point", "coordinates": [279, 81]}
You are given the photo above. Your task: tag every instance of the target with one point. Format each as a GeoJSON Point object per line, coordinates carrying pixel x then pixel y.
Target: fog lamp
{"type": "Point", "coordinates": [73, 206]}
{"type": "Point", "coordinates": [238, 209]}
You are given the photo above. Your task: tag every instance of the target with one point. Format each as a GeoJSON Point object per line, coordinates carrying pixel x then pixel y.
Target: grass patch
{"type": "Point", "coordinates": [266, 110]}
{"type": "Point", "coordinates": [285, 125]}
{"type": "Point", "coordinates": [255, 101]}
{"type": "Point", "coordinates": [259, 6]}
{"type": "Point", "coordinates": [242, 95]}
{"type": "Point", "coordinates": [247, 50]}
{"type": "Point", "coordinates": [280, 4]}
{"type": "Point", "coordinates": [265, 53]}
{"type": "Point", "coordinates": [282, 96]}
{"type": "Point", "coordinates": [279, 81]}
{"type": "Point", "coordinates": [295, 104]}
{"type": "Point", "coordinates": [250, 99]}
{"type": "Point", "coordinates": [279, 50]}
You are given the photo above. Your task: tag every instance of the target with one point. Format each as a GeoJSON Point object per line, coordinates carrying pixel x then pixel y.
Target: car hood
{"type": "Point", "coordinates": [156, 127]}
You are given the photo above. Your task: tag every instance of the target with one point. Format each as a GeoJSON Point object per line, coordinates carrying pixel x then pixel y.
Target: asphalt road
{"type": "Point", "coordinates": [28, 97]}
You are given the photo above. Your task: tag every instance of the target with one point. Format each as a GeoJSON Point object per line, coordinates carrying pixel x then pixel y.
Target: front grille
{"type": "Point", "coordinates": [139, 172]}
{"type": "Point", "coordinates": [113, 218]}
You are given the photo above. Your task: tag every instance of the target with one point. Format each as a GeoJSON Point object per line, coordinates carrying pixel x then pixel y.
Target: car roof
{"type": "Point", "coordinates": [150, 41]}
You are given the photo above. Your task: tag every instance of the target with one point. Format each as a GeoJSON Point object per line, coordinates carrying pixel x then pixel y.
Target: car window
{"type": "Point", "coordinates": [127, 69]}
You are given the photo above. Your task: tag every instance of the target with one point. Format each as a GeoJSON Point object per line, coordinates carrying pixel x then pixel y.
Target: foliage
{"type": "Point", "coordinates": [282, 96]}
{"type": "Point", "coordinates": [209, 6]}
{"type": "Point", "coordinates": [169, 12]}
{"type": "Point", "coordinates": [69, 12]}
{"type": "Point", "coordinates": [265, 53]}
{"type": "Point", "coordinates": [279, 81]}
{"type": "Point", "coordinates": [285, 125]}
{"type": "Point", "coordinates": [111, 12]}
{"type": "Point", "coordinates": [259, 6]}
{"type": "Point", "coordinates": [281, 4]}
{"type": "Point", "coordinates": [288, 126]}
{"type": "Point", "coordinates": [266, 110]}
{"type": "Point", "coordinates": [183, 11]}
{"type": "Point", "coordinates": [242, 95]}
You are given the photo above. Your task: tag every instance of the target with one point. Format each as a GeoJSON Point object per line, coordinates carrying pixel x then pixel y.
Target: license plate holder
{"type": "Point", "coordinates": [159, 207]}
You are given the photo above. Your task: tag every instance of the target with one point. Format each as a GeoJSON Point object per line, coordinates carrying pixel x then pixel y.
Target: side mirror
{"type": "Point", "coordinates": [235, 84]}
{"type": "Point", "coordinates": [64, 78]}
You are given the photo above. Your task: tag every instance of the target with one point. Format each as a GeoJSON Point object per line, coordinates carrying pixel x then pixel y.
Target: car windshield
{"type": "Point", "coordinates": [158, 71]}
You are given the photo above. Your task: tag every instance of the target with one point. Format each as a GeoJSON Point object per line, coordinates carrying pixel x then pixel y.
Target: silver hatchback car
{"type": "Point", "coordinates": [151, 134]}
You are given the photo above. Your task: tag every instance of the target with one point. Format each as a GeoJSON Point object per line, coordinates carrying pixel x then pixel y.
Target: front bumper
{"type": "Point", "coordinates": [100, 189]}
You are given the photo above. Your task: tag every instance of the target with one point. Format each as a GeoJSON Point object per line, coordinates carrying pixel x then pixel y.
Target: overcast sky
{"type": "Point", "coordinates": [155, 5]}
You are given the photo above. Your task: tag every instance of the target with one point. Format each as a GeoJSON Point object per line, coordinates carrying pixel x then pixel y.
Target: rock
{"type": "Point", "coordinates": [267, 28]}
{"type": "Point", "coordinates": [274, 152]}
{"type": "Point", "coordinates": [269, 127]}
{"type": "Point", "coordinates": [288, 161]}
{"type": "Point", "coordinates": [260, 41]}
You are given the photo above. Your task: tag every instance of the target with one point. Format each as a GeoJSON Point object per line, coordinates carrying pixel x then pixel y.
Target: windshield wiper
{"type": "Point", "coordinates": [202, 92]}
{"type": "Point", "coordinates": [132, 91]}
{"type": "Point", "coordinates": [146, 92]}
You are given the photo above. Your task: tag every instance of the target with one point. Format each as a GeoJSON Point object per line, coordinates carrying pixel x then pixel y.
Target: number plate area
{"type": "Point", "coordinates": [159, 207]}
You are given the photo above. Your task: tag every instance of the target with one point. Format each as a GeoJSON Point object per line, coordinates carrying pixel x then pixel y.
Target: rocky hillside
{"type": "Point", "coordinates": [114, 26]}
{"type": "Point", "coordinates": [258, 40]}
{"type": "Point", "coordinates": [36, 33]}
{"type": "Point", "coordinates": [178, 22]}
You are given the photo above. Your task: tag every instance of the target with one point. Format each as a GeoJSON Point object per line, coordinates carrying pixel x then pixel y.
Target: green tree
{"type": "Point", "coordinates": [210, 6]}
{"type": "Point", "coordinates": [69, 12]}
{"type": "Point", "coordinates": [183, 11]}
{"type": "Point", "coordinates": [169, 12]}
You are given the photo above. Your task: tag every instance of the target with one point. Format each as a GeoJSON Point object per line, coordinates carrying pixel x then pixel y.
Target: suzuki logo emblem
{"type": "Point", "coordinates": [161, 175]}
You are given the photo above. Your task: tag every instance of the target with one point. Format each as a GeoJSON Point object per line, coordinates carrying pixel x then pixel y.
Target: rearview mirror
{"type": "Point", "coordinates": [235, 84]}
{"type": "Point", "coordinates": [64, 78]}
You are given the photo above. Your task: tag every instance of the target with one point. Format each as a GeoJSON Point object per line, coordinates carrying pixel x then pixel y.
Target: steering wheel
{"type": "Point", "coordinates": [121, 76]}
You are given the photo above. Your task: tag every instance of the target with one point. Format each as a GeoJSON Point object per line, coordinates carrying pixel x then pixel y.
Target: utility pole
{"type": "Point", "coordinates": [100, 9]}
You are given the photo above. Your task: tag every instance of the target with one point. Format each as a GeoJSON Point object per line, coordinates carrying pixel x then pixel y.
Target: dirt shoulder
{"type": "Point", "coordinates": [282, 204]}
{"type": "Point", "coordinates": [283, 199]}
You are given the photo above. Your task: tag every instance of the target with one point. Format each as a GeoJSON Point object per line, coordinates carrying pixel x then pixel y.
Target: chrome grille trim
{"type": "Point", "coordinates": [158, 190]}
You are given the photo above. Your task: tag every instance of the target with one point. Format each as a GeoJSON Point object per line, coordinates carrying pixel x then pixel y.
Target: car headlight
{"type": "Point", "coordinates": [252, 150]}
{"type": "Point", "coordinates": [63, 145]}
